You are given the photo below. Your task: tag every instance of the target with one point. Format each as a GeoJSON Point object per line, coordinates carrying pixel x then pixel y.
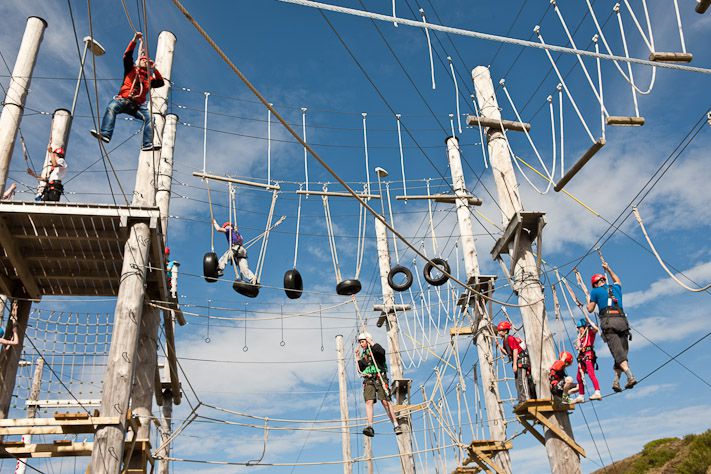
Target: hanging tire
{"type": "Point", "coordinates": [404, 286]}
{"type": "Point", "coordinates": [441, 265]}
{"type": "Point", "coordinates": [209, 267]}
{"type": "Point", "coordinates": [348, 287]}
{"type": "Point", "coordinates": [246, 289]}
{"type": "Point", "coordinates": [293, 284]}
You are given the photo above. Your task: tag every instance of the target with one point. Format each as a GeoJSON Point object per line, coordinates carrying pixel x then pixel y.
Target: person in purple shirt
{"type": "Point", "coordinates": [235, 252]}
{"type": "Point", "coordinates": [613, 322]}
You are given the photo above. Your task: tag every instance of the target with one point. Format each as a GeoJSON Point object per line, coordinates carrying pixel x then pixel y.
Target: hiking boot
{"type": "Point", "coordinates": [99, 136]}
{"type": "Point", "coordinates": [578, 399]}
{"type": "Point", "coordinates": [369, 431]}
{"type": "Point", "coordinates": [616, 385]}
{"type": "Point", "coordinates": [398, 430]}
{"type": "Point", "coordinates": [631, 382]}
{"type": "Point", "coordinates": [596, 395]}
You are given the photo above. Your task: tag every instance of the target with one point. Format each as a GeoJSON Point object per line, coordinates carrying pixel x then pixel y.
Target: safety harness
{"type": "Point", "coordinates": [587, 352]}
{"type": "Point", "coordinates": [556, 378]}
{"type": "Point", "coordinates": [613, 310]}
{"type": "Point", "coordinates": [524, 361]}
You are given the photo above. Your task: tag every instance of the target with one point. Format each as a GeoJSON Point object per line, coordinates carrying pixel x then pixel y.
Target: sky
{"type": "Point", "coordinates": [270, 358]}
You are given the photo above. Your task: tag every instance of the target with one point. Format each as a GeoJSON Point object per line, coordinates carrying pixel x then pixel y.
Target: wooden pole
{"type": "Point", "coordinates": [563, 459]}
{"type": "Point", "coordinates": [343, 400]}
{"type": "Point", "coordinates": [165, 171]}
{"type": "Point", "coordinates": [107, 454]}
{"type": "Point", "coordinates": [58, 138]}
{"type": "Point", "coordinates": [492, 400]}
{"type": "Point", "coordinates": [404, 441]}
{"type": "Point", "coordinates": [21, 466]}
{"type": "Point", "coordinates": [14, 102]}
{"type": "Point", "coordinates": [147, 360]}
{"type": "Point", "coordinates": [368, 452]}
{"type": "Point", "coordinates": [10, 359]}
{"type": "Point", "coordinates": [166, 421]}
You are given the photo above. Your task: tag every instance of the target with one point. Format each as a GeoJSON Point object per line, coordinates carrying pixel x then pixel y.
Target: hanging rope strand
{"type": "Point", "coordinates": [629, 66]}
{"type": "Point", "coordinates": [429, 47]}
{"type": "Point", "coordinates": [456, 94]}
{"type": "Point", "coordinates": [298, 226]}
{"type": "Point", "coordinates": [365, 148]}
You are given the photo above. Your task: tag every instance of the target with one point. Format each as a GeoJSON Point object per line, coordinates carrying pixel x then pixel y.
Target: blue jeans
{"type": "Point", "coordinates": [119, 105]}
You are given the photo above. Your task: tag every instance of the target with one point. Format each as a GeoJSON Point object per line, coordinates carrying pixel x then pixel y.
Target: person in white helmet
{"type": "Point", "coordinates": [374, 369]}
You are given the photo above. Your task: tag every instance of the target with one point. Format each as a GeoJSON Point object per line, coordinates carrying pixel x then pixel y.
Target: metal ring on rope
{"type": "Point", "coordinates": [209, 267]}
{"type": "Point", "coordinates": [293, 284]}
{"type": "Point", "coordinates": [404, 286]}
{"type": "Point", "coordinates": [440, 264]}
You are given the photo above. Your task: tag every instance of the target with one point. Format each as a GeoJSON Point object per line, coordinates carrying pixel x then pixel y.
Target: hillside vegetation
{"type": "Point", "coordinates": [688, 455]}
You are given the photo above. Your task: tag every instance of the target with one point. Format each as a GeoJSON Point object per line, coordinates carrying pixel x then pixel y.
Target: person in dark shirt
{"type": "Point", "coordinates": [131, 99]}
{"type": "Point", "coordinates": [373, 368]}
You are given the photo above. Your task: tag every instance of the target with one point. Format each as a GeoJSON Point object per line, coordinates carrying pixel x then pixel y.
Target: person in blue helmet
{"type": "Point", "coordinates": [613, 322]}
{"type": "Point", "coordinates": [587, 359]}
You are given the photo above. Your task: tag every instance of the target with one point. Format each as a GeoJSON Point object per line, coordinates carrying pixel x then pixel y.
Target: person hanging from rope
{"type": "Point", "coordinates": [131, 99]}
{"type": "Point", "coordinates": [515, 349]}
{"type": "Point", "coordinates": [374, 369]}
{"type": "Point", "coordinates": [561, 384]}
{"type": "Point", "coordinates": [235, 253]}
{"type": "Point", "coordinates": [587, 359]}
{"type": "Point", "coordinates": [8, 343]}
{"type": "Point", "coordinates": [53, 188]}
{"type": "Point", "coordinates": [613, 322]}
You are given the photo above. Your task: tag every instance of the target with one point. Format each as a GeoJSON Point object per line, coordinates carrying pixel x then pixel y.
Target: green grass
{"type": "Point", "coordinates": [699, 458]}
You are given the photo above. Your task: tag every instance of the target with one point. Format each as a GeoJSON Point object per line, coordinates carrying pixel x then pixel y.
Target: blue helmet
{"type": "Point", "coordinates": [582, 322]}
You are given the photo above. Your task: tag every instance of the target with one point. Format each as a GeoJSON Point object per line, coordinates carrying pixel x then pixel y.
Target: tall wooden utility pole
{"type": "Point", "coordinates": [166, 426]}
{"type": "Point", "coordinates": [58, 138]}
{"type": "Point", "coordinates": [343, 399]}
{"type": "Point", "coordinates": [107, 453]}
{"type": "Point", "coordinates": [400, 386]}
{"type": "Point", "coordinates": [483, 332]}
{"type": "Point", "coordinates": [521, 229]}
{"type": "Point", "coordinates": [21, 465]}
{"type": "Point", "coordinates": [10, 359]}
{"type": "Point", "coordinates": [14, 102]}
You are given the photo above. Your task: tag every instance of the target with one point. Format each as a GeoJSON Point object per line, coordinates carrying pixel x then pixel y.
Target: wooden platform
{"type": "Point", "coordinates": [481, 452]}
{"type": "Point", "coordinates": [481, 284]}
{"type": "Point", "coordinates": [540, 410]}
{"type": "Point", "coordinates": [56, 425]}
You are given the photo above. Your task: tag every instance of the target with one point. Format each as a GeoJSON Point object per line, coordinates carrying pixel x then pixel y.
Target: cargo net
{"type": "Point", "coordinates": [74, 348]}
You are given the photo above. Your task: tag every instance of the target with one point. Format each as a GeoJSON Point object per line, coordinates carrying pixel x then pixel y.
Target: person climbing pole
{"type": "Point", "coordinates": [587, 359]}
{"type": "Point", "coordinates": [8, 343]}
{"type": "Point", "coordinates": [374, 369]}
{"type": "Point", "coordinates": [561, 384]}
{"type": "Point", "coordinates": [53, 187]}
{"type": "Point", "coordinates": [138, 79]}
{"type": "Point", "coordinates": [515, 349]}
{"type": "Point", "coordinates": [613, 322]}
{"type": "Point", "coordinates": [171, 267]}
{"type": "Point", "coordinates": [235, 252]}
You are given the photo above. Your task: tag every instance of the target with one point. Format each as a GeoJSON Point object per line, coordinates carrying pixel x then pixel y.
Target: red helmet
{"type": "Point", "coordinates": [503, 326]}
{"type": "Point", "coordinates": [59, 152]}
{"type": "Point", "coordinates": [167, 251]}
{"type": "Point", "coordinates": [226, 224]}
{"type": "Point", "coordinates": [597, 277]}
{"type": "Point", "coordinates": [566, 357]}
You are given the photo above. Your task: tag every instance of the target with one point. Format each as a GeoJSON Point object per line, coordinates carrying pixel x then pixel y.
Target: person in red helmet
{"type": "Point", "coordinates": [613, 323]}
{"type": "Point", "coordinates": [561, 384]}
{"type": "Point", "coordinates": [515, 349]}
{"type": "Point", "coordinates": [235, 252]}
{"type": "Point", "coordinates": [171, 268]}
{"type": "Point", "coordinates": [53, 187]}
{"type": "Point", "coordinates": [138, 79]}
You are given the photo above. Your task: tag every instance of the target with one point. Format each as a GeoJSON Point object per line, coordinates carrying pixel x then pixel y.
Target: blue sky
{"type": "Point", "coordinates": [294, 58]}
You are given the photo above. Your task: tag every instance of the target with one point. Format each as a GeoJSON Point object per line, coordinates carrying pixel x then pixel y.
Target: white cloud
{"type": "Point", "coordinates": [665, 287]}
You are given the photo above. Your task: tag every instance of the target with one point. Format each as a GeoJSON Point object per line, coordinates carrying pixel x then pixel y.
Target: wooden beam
{"type": "Point", "coordinates": [18, 261]}
{"type": "Point", "coordinates": [336, 194]}
{"type": "Point", "coordinates": [76, 209]}
{"type": "Point", "coordinates": [462, 331]}
{"type": "Point", "coordinates": [487, 460]}
{"type": "Point", "coordinates": [579, 164]}
{"type": "Point", "coordinates": [445, 198]}
{"type": "Point", "coordinates": [531, 429]}
{"type": "Point", "coordinates": [7, 286]}
{"type": "Point", "coordinates": [274, 187]}
{"type": "Point", "coordinates": [560, 434]}
{"type": "Point", "coordinates": [625, 121]}
{"type": "Point", "coordinates": [671, 57]}
{"type": "Point", "coordinates": [171, 356]}
{"type": "Point", "coordinates": [493, 124]}
{"type": "Point", "coordinates": [21, 426]}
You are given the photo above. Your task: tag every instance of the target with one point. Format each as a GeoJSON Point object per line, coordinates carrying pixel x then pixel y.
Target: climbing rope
{"type": "Point", "coordinates": [429, 47]}
{"type": "Point", "coordinates": [331, 237]}
{"type": "Point", "coordinates": [456, 94]}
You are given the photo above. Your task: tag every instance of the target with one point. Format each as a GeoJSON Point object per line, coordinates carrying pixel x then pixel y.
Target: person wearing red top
{"type": "Point", "coordinates": [587, 359]}
{"type": "Point", "coordinates": [131, 99]}
{"type": "Point", "coordinates": [515, 349]}
{"type": "Point", "coordinates": [561, 384]}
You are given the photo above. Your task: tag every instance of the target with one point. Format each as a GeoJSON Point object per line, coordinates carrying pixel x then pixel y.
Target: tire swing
{"type": "Point", "coordinates": [251, 290]}
{"type": "Point", "coordinates": [293, 283]}
{"type": "Point", "coordinates": [210, 260]}
{"type": "Point", "coordinates": [439, 264]}
{"type": "Point", "coordinates": [396, 270]}
{"type": "Point", "coordinates": [352, 286]}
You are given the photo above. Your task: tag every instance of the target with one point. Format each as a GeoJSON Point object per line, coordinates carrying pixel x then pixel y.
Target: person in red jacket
{"type": "Point", "coordinates": [561, 384]}
{"type": "Point", "coordinates": [515, 349]}
{"type": "Point", "coordinates": [131, 99]}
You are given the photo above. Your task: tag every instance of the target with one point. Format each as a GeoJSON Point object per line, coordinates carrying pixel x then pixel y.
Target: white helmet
{"type": "Point", "coordinates": [364, 336]}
